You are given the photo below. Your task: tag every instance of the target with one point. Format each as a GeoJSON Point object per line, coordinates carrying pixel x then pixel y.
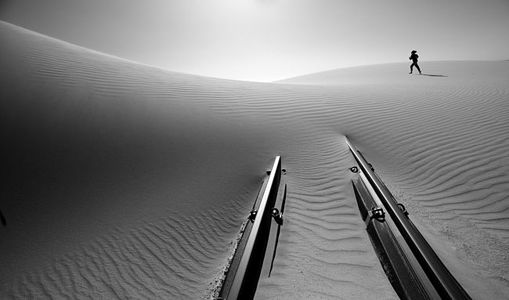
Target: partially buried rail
{"type": "Point", "coordinates": [403, 274]}
{"type": "Point", "coordinates": [244, 272]}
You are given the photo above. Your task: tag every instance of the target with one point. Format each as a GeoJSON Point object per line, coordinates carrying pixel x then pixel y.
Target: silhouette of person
{"type": "Point", "coordinates": [414, 58]}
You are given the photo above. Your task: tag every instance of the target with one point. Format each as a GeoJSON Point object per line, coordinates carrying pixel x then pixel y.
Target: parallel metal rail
{"type": "Point", "coordinates": [243, 276]}
{"type": "Point", "coordinates": [442, 280]}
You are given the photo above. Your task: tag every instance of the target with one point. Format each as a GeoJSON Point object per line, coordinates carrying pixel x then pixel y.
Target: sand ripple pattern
{"type": "Point", "coordinates": [440, 143]}
{"type": "Point", "coordinates": [165, 259]}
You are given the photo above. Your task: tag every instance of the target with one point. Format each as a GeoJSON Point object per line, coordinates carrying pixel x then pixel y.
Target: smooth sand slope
{"type": "Point", "coordinates": [126, 181]}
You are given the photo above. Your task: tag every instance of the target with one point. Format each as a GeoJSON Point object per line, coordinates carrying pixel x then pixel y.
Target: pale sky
{"type": "Point", "coordinates": [266, 40]}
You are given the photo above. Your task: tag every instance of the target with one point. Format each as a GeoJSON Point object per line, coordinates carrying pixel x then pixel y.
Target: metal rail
{"type": "Point", "coordinates": [248, 270]}
{"type": "Point", "coordinates": [402, 270]}
{"type": "Point", "coordinates": [442, 280]}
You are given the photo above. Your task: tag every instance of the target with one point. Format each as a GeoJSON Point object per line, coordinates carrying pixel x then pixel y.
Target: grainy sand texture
{"type": "Point", "coordinates": [121, 180]}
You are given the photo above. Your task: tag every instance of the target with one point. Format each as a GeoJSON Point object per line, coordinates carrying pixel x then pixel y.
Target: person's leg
{"type": "Point", "coordinates": [418, 68]}
{"type": "Point", "coordinates": [411, 68]}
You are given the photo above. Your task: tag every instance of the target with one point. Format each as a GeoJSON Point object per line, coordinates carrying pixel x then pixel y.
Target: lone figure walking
{"type": "Point", "coordinates": [414, 58]}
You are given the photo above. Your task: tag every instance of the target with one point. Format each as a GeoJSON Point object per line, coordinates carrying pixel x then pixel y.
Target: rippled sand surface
{"type": "Point", "coordinates": [127, 181]}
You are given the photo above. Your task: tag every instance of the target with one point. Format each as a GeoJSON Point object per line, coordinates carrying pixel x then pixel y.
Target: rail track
{"type": "Point", "coordinates": [253, 258]}
{"type": "Point", "coordinates": [413, 267]}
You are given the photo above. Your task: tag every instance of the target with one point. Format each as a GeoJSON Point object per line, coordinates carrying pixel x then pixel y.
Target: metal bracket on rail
{"type": "Point", "coordinates": [376, 213]}
{"type": "Point", "coordinates": [403, 209]}
{"type": "Point", "coordinates": [278, 216]}
{"type": "Point", "coordinates": [252, 215]}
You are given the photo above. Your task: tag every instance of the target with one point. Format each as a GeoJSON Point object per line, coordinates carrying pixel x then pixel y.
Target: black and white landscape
{"type": "Point", "coordinates": [127, 180]}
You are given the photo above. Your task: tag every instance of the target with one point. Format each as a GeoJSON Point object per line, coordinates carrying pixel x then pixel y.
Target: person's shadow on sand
{"type": "Point", "coordinates": [2, 219]}
{"type": "Point", "coordinates": [433, 75]}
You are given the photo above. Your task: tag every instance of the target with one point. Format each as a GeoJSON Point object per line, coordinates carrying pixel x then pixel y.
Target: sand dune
{"type": "Point", "coordinates": [129, 181]}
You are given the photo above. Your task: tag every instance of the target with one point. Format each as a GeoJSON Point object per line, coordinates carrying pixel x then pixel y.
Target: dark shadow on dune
{"type": "Point", "coordinates": [433, 75]}
{"type": "Point", "coordinates": [2, 219]}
